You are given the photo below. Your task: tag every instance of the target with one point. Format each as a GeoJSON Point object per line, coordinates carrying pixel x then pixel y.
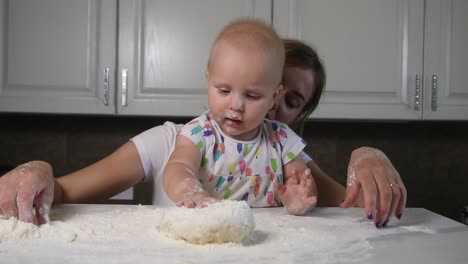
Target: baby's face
{"type": "Point", "coordinates": [241, 90]}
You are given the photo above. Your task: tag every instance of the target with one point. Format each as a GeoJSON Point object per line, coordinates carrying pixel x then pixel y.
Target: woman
{"type": "Point", "coordinates": [32, 185]}
{"type": "Point", "coordinates": [383, 191]}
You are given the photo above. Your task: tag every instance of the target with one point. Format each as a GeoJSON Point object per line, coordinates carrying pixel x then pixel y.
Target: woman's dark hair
{"type": "Point", "coordinates": [301, 55]}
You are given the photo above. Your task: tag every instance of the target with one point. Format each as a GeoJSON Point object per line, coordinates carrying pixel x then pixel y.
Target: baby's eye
{"type": "Point", "coordinates": [223, 90]}
{"type": "Point", "coordinates": [253, 96]}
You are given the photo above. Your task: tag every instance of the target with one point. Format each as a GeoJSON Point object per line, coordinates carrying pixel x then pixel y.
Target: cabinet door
{"type": "Point", "coordinates": [372, 50]}
{"type": "Point", "coordinates": [53, 54]}
{"type": "Point", "coordinates": [446, 60]}
{"type": "Point", "coordinates": [163, 52]}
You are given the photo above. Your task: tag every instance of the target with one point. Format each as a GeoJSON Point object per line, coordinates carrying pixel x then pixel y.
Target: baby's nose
{"type": "Point", "coordinates": [237, 103]}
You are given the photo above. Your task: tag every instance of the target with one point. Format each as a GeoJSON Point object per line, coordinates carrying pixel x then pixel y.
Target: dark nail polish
{"type": "Point", "coordinates": [378, 225]}
{"type": "Point", "coordinates": [399, 216]}
{"type": "Point", "coordinates": [370, 216]}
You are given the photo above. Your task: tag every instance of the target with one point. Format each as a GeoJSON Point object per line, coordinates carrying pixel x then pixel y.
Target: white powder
{"type": "Point", "coordinates": [13, 229]}
{"type": "Point", "coordinates": [422, 229]}
{"type": "Point", "coordinates": [130, 234]}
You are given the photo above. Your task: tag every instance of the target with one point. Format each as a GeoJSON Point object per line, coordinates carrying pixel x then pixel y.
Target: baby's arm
{"type": "Point", "coordinates": [299, 191]}
{"type": "Point", "coordinates": [180, 177]}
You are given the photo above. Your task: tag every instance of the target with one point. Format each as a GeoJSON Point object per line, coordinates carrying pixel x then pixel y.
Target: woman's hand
{"type": "Point", "coordinates": [299, 193]}
{"type": "Point", "coordinates": [383, 190]}
{"type": "Point", "coordinates": [27, 192]}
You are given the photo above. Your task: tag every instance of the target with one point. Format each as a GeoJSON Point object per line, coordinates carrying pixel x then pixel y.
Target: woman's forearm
{"type": "Point", "coordinates": [330, 192]}
{"type": "Point", "coordinates": [103, 179]}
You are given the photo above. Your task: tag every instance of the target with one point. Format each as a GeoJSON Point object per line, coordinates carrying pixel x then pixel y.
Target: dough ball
{"type": "Point", "coordinates": [222, 222]}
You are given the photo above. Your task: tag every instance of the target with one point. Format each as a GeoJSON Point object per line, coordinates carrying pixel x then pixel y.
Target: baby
{"type": "Point", "coordinates": [232, 151]}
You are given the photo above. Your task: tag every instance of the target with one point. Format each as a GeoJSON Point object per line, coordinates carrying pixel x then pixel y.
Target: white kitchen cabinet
{"type": "Point", "coordinates": [381, 55]}
{"type": "Point", "coordinates": [163, 52]}
{"type": "Point", "coordinates": [446, 60]}
{"type": "Point", "coordinates": [54, 55]}
{"type": "Point", "coordinates": [385, 59]}
{"type": "Point", "coordinates": [372, 50]}
{"type": "Point", "coordinates": [61, 56]}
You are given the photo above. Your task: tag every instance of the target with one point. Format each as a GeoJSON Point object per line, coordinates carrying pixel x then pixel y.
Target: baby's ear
{"type": "Point", "coordinates": [278, 92]}
{"type": "Point", "coordinates": [276, 97]}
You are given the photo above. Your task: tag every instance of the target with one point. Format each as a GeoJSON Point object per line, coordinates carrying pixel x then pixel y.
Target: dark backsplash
{"type": "Point", "coordinates": [431, 157]}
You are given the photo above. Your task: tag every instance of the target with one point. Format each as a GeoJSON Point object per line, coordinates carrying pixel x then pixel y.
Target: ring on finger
{"type": "Point", "coordinates": [394, 185]}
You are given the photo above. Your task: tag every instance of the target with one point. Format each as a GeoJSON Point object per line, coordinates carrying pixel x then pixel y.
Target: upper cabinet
{"type": "Point", "coordinates": [61, 56]}
{"type": "Point", "coordinates": [372, 50]}
{"type": "Point", "coordinates": [57, 56]}
{"type": "Point", "coordinates": [163, 52]}
{"type": "Point", "coordinates": [385, 59]}
{"type": "Point", "coordinates": [446, 60]}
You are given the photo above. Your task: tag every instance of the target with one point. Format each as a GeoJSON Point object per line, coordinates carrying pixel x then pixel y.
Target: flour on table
{"type": "Point", "coordinates": [13, 229]}
{"type": "Point", "coordinates": [225, 221]}
{"type": "Point", "coordinates": [121, 234]}
{"type": "Point", "coordinates": [90, 226]}
{"type": "Point", "coordinates": [423, 229]}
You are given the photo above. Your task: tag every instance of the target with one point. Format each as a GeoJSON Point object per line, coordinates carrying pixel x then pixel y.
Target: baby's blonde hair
{"type": "Point", "coordinates": [254, 35]}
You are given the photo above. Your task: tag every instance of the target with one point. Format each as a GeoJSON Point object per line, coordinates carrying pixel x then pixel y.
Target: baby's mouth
{"type": "Point", "coordinates": [233, 119]}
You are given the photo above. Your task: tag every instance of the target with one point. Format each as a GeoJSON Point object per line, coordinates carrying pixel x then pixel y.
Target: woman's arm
{"type": "Point", "coordinates": [31, 186]}
{"type": "Point", "coordinates": [371, 172]}
{"type": "Point", "coordinates": [372, 183]}
{"type": "Point", "coordinates": [332, 194]}
{"type": "Point", "coordinates": [113, 174]}
{"type": "Point", "coordinates": [27, 188]}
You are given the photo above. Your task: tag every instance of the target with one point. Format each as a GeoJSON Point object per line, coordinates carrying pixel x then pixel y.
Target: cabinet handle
{"type": "Point", "coordinates": [124, 87]}
{"type": "Point", "coordinates": [106, 86]}
{"type": "Point", "coordinates": [417, 94]}
{"type": "Point", "coordinates": [434, 93]}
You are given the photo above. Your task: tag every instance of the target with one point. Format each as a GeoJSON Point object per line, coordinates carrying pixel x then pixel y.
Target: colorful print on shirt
{"type": "Point", "coordinates": [243, 170]}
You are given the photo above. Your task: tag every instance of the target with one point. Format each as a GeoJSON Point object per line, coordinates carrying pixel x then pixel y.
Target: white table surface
{"type": "Point", "coordinates": [129, 234]}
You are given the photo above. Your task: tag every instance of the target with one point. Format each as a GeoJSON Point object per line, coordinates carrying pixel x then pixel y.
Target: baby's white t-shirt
{"type": "Point", "coordinates": [155, 147]}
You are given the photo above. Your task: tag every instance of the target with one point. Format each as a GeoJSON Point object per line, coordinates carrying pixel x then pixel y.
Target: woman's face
{"type": "Point", "coordinates": [298, 89]}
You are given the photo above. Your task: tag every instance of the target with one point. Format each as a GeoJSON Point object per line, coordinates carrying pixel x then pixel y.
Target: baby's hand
{"type": "Point", "coordinates": [299, 193]}
{"type": "Point", "coordinates": [199, 200]}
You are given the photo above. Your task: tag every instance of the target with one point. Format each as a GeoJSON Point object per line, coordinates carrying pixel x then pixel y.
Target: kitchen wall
{"type": "Point", "coordinates": [432, 157]}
